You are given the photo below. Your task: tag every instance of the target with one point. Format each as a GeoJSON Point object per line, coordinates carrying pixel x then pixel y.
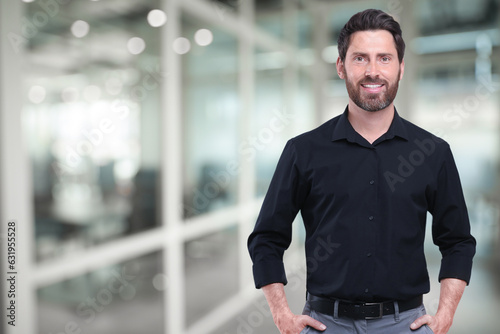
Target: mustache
{"type": "Point", "coordinates": [370, 81]}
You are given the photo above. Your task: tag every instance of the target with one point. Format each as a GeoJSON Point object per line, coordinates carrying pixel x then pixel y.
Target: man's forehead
{"type": "Point", "coordinates": [370, 40]}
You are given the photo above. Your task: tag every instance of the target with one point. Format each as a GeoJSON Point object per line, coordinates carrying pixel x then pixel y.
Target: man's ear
{"type": "Point", "coordinates": [402, 69]}
{"type": "Point", "coordinates": [340, 68]}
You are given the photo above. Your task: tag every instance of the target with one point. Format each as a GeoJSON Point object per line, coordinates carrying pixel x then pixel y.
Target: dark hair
{"type": "Point", "coordinates": [370, 19]}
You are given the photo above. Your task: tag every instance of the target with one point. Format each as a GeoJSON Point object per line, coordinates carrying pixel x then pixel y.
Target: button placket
{"type": "Point", "coordinates": [371, 187]}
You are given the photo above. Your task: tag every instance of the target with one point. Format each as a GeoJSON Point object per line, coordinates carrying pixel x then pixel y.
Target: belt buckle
{"type": "Point", "coordinates": [381, 310]}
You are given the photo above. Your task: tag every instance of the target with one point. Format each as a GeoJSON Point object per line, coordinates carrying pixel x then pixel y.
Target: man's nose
{"type": "Point", "coordinates": [371, 70]}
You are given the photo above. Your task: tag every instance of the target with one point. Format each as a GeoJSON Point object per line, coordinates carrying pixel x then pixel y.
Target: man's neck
{"type": "Point", "coordinates": [371, 125]}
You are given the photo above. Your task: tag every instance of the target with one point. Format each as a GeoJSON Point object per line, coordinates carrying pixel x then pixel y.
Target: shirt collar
{"type": "Point", "coordinates": [344, 130]}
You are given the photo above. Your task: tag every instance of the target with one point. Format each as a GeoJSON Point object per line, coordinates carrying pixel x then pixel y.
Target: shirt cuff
{"type": "Point", "coordinates": [459, 267]}
{"type": "Point", "coordinates": [265, 273]}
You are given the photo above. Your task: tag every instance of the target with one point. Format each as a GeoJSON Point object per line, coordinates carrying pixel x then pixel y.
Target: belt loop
{"type": "Point", "coordinates": [396, 311]}
{"type": "Point", "coordinates": [336, 309]}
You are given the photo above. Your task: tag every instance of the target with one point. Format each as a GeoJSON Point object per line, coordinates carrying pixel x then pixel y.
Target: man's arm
{"type": "Point", "coordinates": [451, 292]}
{"type": "Point", "coordinates": [285, 320]}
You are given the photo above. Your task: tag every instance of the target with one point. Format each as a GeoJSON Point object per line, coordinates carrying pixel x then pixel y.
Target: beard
{"type": "Point", "coordinates": [370, 101]}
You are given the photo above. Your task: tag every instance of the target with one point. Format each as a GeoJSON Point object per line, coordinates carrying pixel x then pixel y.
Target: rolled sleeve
{"type": "Point", "coordinates": [265, 273]}
{"type": "Point", "coordinates": [456, 267]}
{"type": "Point", "coordinates": [272, 234]}
{"type": "Point", "coordinates": [451, 227]}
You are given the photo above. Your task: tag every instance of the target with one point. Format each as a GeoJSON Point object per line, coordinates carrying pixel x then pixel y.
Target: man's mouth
{"type": "Point", "coordinates": [372, 88]}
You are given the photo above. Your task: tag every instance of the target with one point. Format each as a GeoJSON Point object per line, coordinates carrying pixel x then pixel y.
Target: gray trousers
{"type": "Point", "coordinates": [398, 323]}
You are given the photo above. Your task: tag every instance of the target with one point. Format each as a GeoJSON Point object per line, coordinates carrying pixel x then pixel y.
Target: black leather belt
{"type": "Point", "coordinates": [361, 310]}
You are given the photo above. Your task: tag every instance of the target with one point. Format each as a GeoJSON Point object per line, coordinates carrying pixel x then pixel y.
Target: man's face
{"type": "Point", "coordinates": [371, 69]}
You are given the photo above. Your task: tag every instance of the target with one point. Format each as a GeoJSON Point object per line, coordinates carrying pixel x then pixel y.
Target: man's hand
{"type": "Point", "coordinates": [437, 324]}
{"type": "Point", "coordinates": [293, 324]}
{"type": "Point", "coordinates": [451, 292]}
{"type": "Point", "coordinates": [285, 320]}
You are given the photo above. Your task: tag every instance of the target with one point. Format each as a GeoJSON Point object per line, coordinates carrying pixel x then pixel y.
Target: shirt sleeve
{"type": "Point", "coordinates": [450, 225]}
{"type": "Point", "coordinates": [273, 230]}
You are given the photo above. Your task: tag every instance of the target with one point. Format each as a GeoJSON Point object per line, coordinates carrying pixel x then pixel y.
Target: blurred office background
{"type": "Point", "coordinates": [138, 138]}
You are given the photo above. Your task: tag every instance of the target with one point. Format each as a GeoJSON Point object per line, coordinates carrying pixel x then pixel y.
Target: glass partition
{"type": "Point", "coordinates": [122, 298]}
{"type": "Point", "coordinates": [270, 115]}
{"type": "Point", "coordinates": [91, 119]}
{"type": "Point", "coordinates": [211, 110]}
{"type": "Point", "coordinates": [211, 269]}
{"type": "Point", "coordinates": [283, 109]}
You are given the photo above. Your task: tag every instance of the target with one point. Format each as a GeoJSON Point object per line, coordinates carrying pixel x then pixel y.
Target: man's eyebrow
{"type": "Point", "coordinates": [359, 53]}
{"type": "Point", "coordinates": [364, 54]}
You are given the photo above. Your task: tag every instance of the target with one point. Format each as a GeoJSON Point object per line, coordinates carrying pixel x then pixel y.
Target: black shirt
{"type": "Point", "coordinates": [364, 208]}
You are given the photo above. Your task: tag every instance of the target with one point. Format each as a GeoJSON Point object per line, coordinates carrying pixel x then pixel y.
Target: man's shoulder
{"type": "Point", "coordinates": [417, 133]}
{"type": "Point", "coordinates": [320, 133]}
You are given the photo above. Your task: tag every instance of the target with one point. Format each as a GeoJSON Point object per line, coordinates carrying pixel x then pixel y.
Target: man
{"type": "Point", "coordinates": [364, 182]}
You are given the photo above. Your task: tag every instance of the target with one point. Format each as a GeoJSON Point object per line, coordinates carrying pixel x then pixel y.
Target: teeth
{"type": "Point", "coordinates": [372, 86]}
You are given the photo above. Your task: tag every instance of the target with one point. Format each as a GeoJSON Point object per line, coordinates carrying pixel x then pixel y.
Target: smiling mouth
{"type": "Point", "coordinates": [372, 88]}
{"type": "Point", "coordinates": [372, 85]}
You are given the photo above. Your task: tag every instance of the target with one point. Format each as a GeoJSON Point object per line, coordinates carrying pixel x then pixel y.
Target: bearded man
{"type": "Point", "coordinates": [364, 182]}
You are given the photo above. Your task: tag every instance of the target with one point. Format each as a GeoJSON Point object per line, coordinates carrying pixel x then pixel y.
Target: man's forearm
{"type": "Point", "coordinates": [276, 298]}
{"type": "Point", "coordinates": [285, 320]}
{"type": "Point", "coordinates": [452, 290]}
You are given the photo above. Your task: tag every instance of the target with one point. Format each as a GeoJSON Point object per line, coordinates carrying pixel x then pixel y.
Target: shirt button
{"type": "Point", "coordinates": [370, 218]}
{"type": "Point", "coordinates": [372, 182]}
{"type": "Point", "coordinates": [366, 290]}
{"type": "Point", "coordinates": [369, 254]}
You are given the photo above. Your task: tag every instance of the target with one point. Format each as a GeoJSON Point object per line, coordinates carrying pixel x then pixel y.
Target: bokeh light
{"type": "Point", "coordinates": [70, 94]}
{"type": "Point", "coordinates": [80, 28]}
{"type": "Point", "coordinates": [203, 37]}
{"type": "Point", "coordinates": [136, 45]}
{"type": "Point", "coordinates": [157, 18]}
{"type": "Point", "coordinates": [37, 94]}
{"type": "Point", "coordinates": [182, 45]}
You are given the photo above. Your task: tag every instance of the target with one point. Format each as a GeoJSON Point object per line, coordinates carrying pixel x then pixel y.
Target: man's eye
{"type": "Point", "coordinates": [386, 59]}
{"type": "Point", "coordinates": [358, 58]}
